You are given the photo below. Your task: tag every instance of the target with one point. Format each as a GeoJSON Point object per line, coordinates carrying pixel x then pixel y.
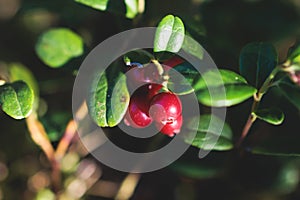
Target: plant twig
{"type": "Point", "coordinates": [66, 140]}
{"type": "Point", "coordinates": [128, 186]}
{"type": "Point", "coordinates": [39, 136]}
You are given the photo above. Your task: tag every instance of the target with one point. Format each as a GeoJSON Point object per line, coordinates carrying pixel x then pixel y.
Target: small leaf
{"type": "Point", "coordinates": [257, 60]}
{"type": "Point", "coordinates": [273, 115]}
{"type": "Point", "coordinates": [290, 91]}
{"type": "Point", "coordinates": [57, 46]}
{"type": "Point", "coordinates": [131, 8]}
{"type": "Point", "coordinates": [97, 4]}
{"type": "Point", "coordinates": [109, 97]}
{"type": "Point", "coordinates": [16, 99]}
{"type": "Point", "coordinates": [181, 78]}
{"type": "Point", "coordinates": [207, 131]}
{"type": "Point", "coordinates": [221, 88]}
{"type": "Point", "coordinates": [18, 72]}
{"type": "Point", "coordinates": [169, 35]}
{"type": "Point", "coordinates": [192, 47]}
{"type": "Point", "coordinates": [294, 56]}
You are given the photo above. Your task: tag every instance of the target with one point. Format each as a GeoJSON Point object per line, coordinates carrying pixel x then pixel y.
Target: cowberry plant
{"type": "Point", "coordinates": [146, 87]}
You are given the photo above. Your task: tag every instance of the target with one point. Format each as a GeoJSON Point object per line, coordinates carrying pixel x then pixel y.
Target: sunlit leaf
{"type": "Point", "coordinates": [16, 99]}
{"type": "Point", "coordinates": [57, 46]}
{"type": "Point", "coordinates": [221, 88]}
{"type": "Point", "coordinates": [109, 97]}
{"type": "Point", "coordinates": [169, 35]}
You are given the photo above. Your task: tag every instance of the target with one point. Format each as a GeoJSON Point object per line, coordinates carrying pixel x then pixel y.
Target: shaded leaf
{"type": "Point", "coordinates": [169, 35]}
{"type": "Point", "coordinates": [181, 78]}
{"type": "Point", "coordinates": [109, 97]}
{"type": "Point", "coordinates": [290, 91]}
{"type": "Point", "coordinates": [257, 60]}
{"type": "Point", "coordinates": [273, 115]}
{"type": "Point", "coordinates": [221, 88]}
{"type": "Point", "coordinates": [138, 56]}
{"type": "Point", "coordinates": [207, 132]}
{"type": "Point", "coordinates": [57, 46]}
{"type": "Point", "coordinates": [16, 99]}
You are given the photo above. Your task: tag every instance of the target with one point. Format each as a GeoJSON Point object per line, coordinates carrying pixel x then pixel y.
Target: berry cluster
{"type": "Point", "coordinates": [152, 103]}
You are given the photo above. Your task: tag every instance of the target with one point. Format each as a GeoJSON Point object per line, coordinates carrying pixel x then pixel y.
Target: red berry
{"type": "Point", "coordinates": [165, 107]}
{"type": "Point", "coordinates": [137, 115]}
{"type": "Point", "coordinates": [170, 128]}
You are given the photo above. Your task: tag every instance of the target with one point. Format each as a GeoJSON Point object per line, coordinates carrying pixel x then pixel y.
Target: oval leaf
{"type": "Point", "coordinates": [57, 46]}
{"type": "Point", "coordinates": [192, 47]}
{"type": "Point", "coordinates": [109, 97]}
{"type": "Point", "coordinates": [273, 115]}
{"type": "Point", "coordinates": [207, 131]}
{"type": "Point", "coordinates": [221, 88]}
{"type": "Point", "coordinates": [257, 60]}
{"type": "Point", "coordinates": [16, 99]}
{"type": "Point", "coordinates": [169, 35]}
{"type": "Point", "coordinates": [18, 72]}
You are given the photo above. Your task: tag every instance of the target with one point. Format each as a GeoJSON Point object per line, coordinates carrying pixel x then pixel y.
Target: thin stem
{"type": "Point", "coordinates": [39, 136]}
{"type": "Point", "coordinates": [66, 140]}
{"type": "Point", "coordinates": [257, 98]}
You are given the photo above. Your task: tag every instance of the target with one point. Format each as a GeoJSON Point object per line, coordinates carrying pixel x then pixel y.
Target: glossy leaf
{"type": "Point", "coordinates": [257, 60]}
{"type": "Point", "coordinates": [291, 92]}
{"type": "Point", "coordinates": [192, 47]}
{"type": "Point", "coordinates": [109, 97]}
{"type": "Point", "coordinates": [207, 131]}
{"type": "Point", "coordinates": [273, 115]}
{"type": "Point", "coordinates": [131, 8]}
{"type": "Point", "coordinates": [18, 72]}
{"type": "Point", "coordinates": [16, 99]}
{"type": "Point", "coordinates": [221, 88]}
{"type": "Point", "coordinates": [294, 56]}
{"type": "Point", "coordinates": [57, 46]}
{"type": "Point", "coordinates": [97, 4]}
{"type": "Point", "coordinates": [181, 78]}
{"type": "Point", "coordinates": [169, 35]}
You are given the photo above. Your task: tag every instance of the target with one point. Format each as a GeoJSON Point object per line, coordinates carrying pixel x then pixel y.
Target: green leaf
{"type": "Point", "coordinates": [131, 8]}
{"type": "Point", "coordinates": [57, 46]}
{"type": "Point", "coordinates": [273, 115]}
{"type": "Point", "coordinates": [19, 72]}
{"type": "Point", "coordinates": [207, 131]}
{"type": "Point", "coordinates": [294, 56]}
{"type": "Point", "coordinates": [16, 99]}
{"type": "Point", "coordinates": [109, 97]}
{"type": "Point", "coordinates": [45, 194]}
{"type": "Point", "coordinates": [192, 47]}
{"type": "Point", "coordinates": [221, 88]}
{"type": "Point", "coordinates": [181, 78]}
{"type": "Point", "coordinates": [169, 35]}
{"type": "Point", "coordinates": [257, 60]}
{"type": "Point", "coordinates": [97, 4]}
{"type": "Point", "coordinates": [291, 92]}
{"type": "Point", "coordinates": [278, 145]}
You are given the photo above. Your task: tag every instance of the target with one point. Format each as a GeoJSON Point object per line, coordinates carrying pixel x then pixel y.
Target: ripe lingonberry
{"type": "Point", "coordinates": [170, 128]}
{"type": "Point", "coordinates": [137, 113]}
{"type": "Point", "coordinates": [165, 107]}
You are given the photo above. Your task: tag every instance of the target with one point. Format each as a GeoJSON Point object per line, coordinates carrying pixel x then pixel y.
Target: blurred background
{"type": "Point", "coordinates": [223, 28]}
